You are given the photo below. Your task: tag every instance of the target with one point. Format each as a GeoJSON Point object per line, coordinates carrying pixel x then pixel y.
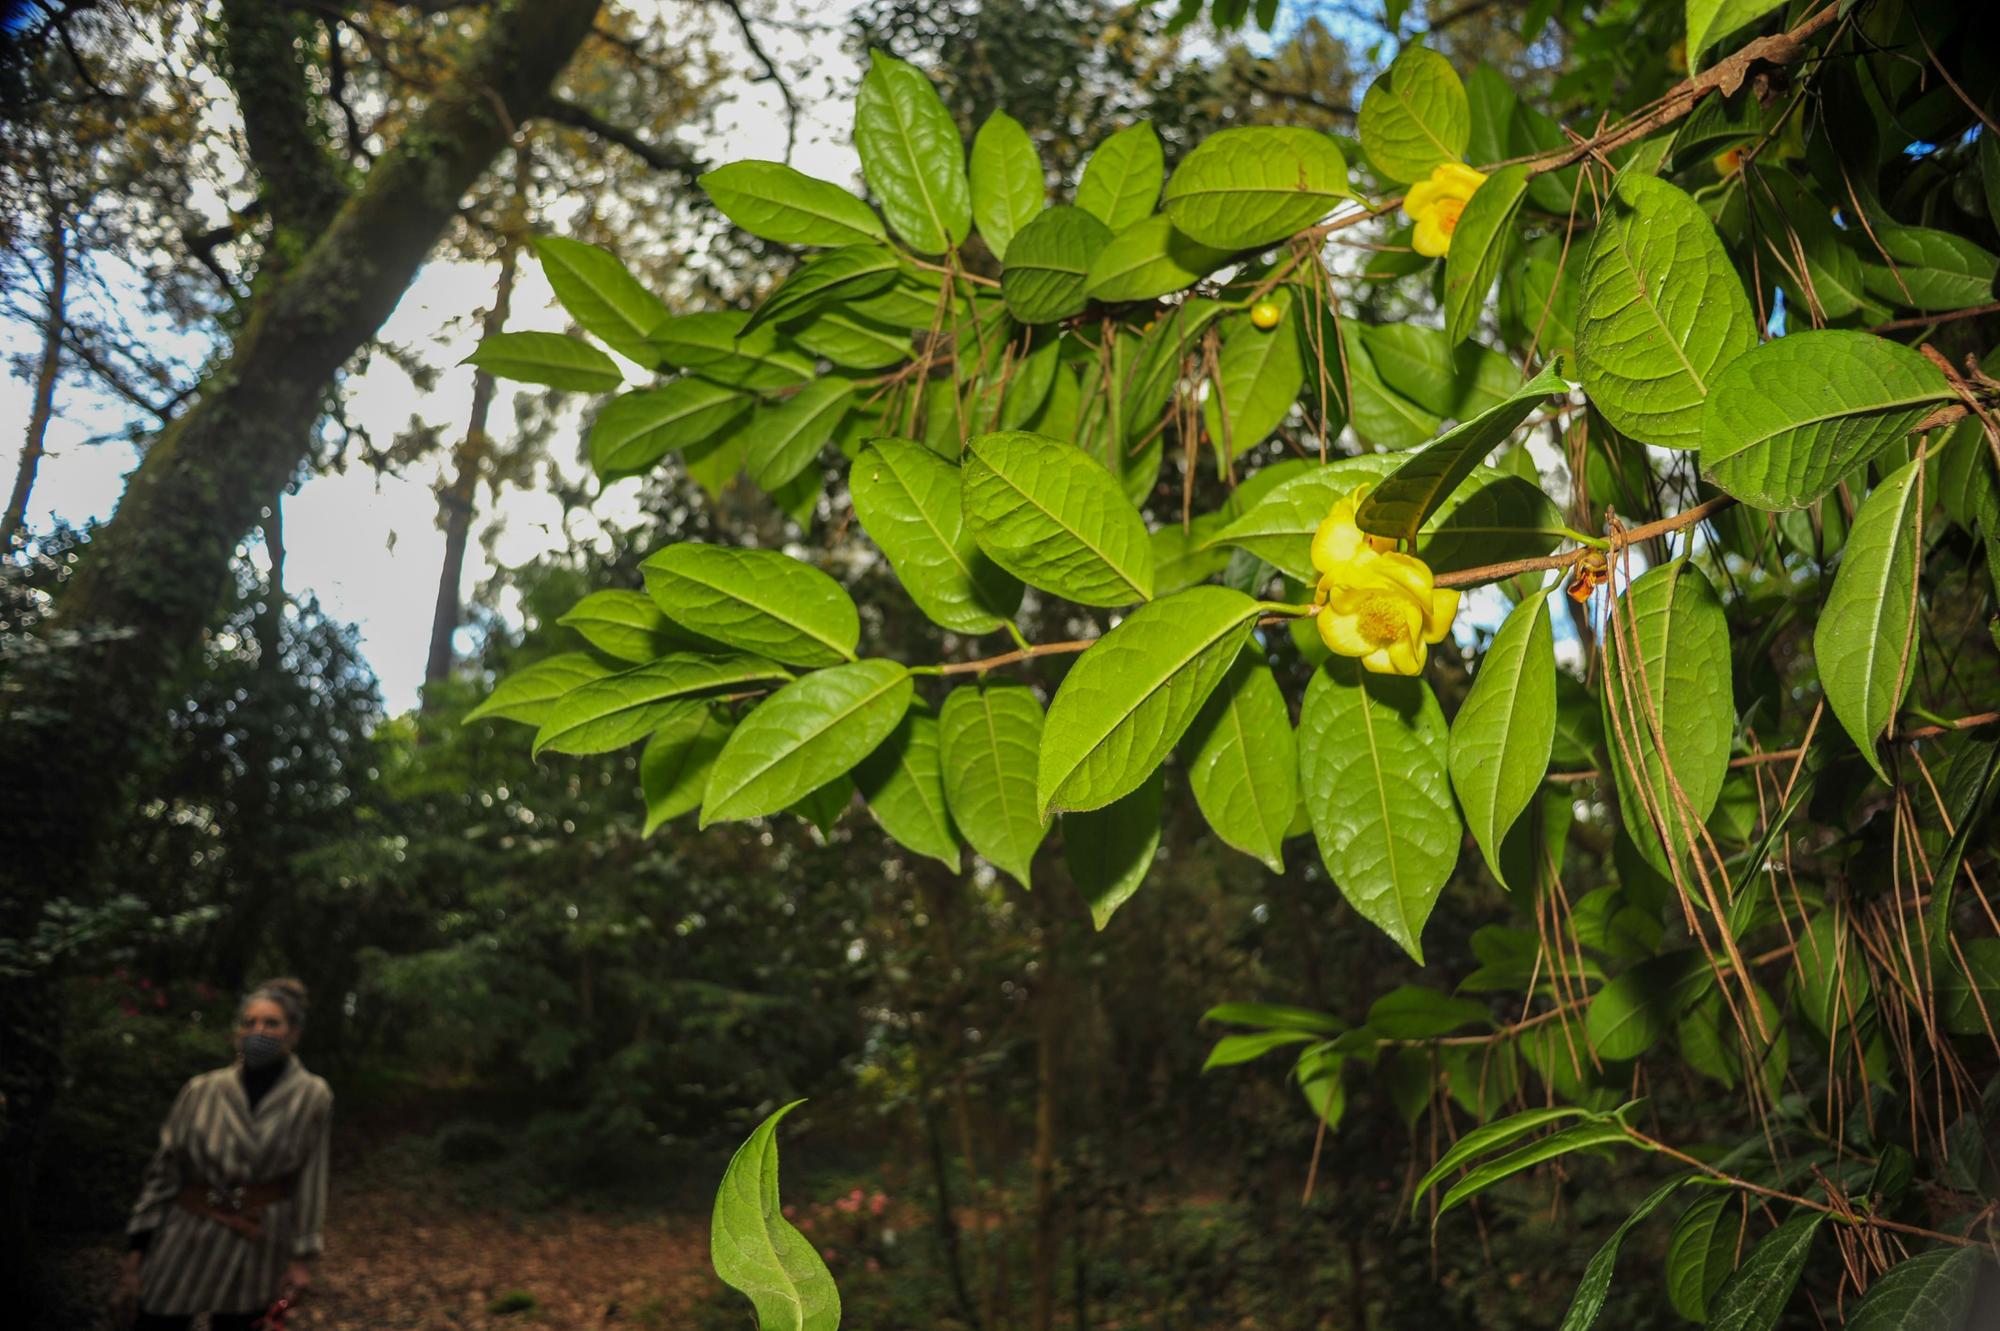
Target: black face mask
{"type": "Point", "coordinates": [261, 1051]}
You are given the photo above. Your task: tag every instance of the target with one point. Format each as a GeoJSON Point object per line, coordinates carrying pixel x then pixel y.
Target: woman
{"type": "Point", "coordinates": [229, 1217]}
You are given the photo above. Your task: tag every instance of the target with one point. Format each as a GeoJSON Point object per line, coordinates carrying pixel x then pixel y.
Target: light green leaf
{"type": "Point", "coordinates": [1628, 1016]}
{"type": "Point", "coordinates": [1709, 21]}
{"type": "Point", "coordinates": [1007, 184]}
{"type": "Point", "coordinates": [756, 601]}
{"type": "Point", "coordinates": [822, 806]}
{"type": "Point", "coordinates": [1149, 259]}
{"type": "Point", "coordinates": [601, 715]}
{"type": "Point", "coordinates": [803, 736]}
{"type": "Point", "coordinates": [1277, 1015]}
{"type": "Point", "coordinates": [1258, 376]}
{"type": "Point", "coordinates": [903, 783]}
{"type": "Point", "coordinates": [1486, 1139]}
{"type": "Point", "coordinates": [1409, 495]}
{"type": "Point", "coordinates": [756, 1250]}
{"type": "Point", "coordinates": [601, 295]}
{"type": "Point", "coordinates": [1491, 100]}
{"type": "Point", "coordinates": [1131, 696]}
{"type": "Point", "coordinates": [1932, 1291]}
{"type": "Point", "coordinates": [1242, 761]}
{"type": "Point", "coordinates": [1798, 245]}
{"type": "Point", "coordinates": [1052, 516]}
{"type": "Point", "coordinates": [1182, 557]}
{"type": "Point", "coordinates": [547, 358]}
{"type": "Point", "coordinates": [1661, 313]}
{"type": "Point", "coordinates": [716, 346]}
{"type": "Point", "coordinates": [1485, 231]}
{"type": "Point", "coordinates": [1415, 116]}
{"type": "Point", "coordinates": [912, 301]}
{"type": "Point", "coordinates": [1701, 1253]}
{"type": "Point", "coordinates": [1422, 365]}
{"type": "Point", "coordinates": [784, 439]}
{"type": "Point", "coordinates": [826, 278]}
{"type": "Point", "coordinates": [776, 202]}
{"type": "Point", "coordinates": [911, 154]}
{"type": "Point", "coordinates": [1582, 1137]}
{"type": "Point", "coordinates": [1372, 762]}
{"type": "Point", "coordinates": [623, 624]}
{"type": "Point", "coordinates": [1234, 1050]}
{"type": "Point", "coordinates": [1865, 643]}
{"type": "Point", "coordinates": [1666, 657]}
{"type": "Point", "coordinates": [528, 694]}
{"type": "Point", "coordinates": [1109, 850]}
{"type": "Point", "coordinates": [852, 341]}
{"type": "Point", "coordinates": [1121, 181]}
{"type": "Point", "coordinates": [1244, 188]}
{"type": "Point", "coordinates": [991, 738]}
{"type": "Point", "coordinates": [1504, 732]}
{"type": "Point", "coordinates": [674, 765]}
{"type": "Point", "coordinates": [1412, 1012]}
{"type": "Point", "coordinates": [1934, 270]}
{"type": "Point", "coordinates": [1152, 381]}
{"type": "Point", "coordinates": [1755, 1297]}
{"type": "Point", "coordinates": [635, 430]}
{"type": "Point", "coordinates": [908, 500]}
{"type": "Point", "coordinates": [1588, 1301]}
{"type": "Point", "coordinates": [1789, 419]}
{"type": "Point", "coordinates": [1047, 262]}
{"type": "Point", "coordinates": [1379, 414]}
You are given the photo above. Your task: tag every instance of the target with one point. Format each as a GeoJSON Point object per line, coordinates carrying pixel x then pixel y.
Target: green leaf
{"type": "Point", "coordinates": [1181, 557]}
{"type": "Point", "coordinates": [1934, 270]}
{"type": "Point", "coordinates": [1244, 188]}
{"type": "Point", "coordinates": [622, 624]}
{"type": "Point", "coordinates": [903, 783]}
{"type": "Point", "coordinates": [1052, 516]}
{"type": "Point", "coordinates": [1490, 100]}
{"type": "Point", "coordinates": [674, 765]}
{"type": "Point", "coordinates": [1865, 643]}
{"type": "Point", "coordinates": [1628, 1016]}
{"type": "Point", "coordinates": [1109, 850]}
{"type": "Point", "coordinates": [1407, 497]}
{"type": "Point", "coordinates": [530, 693]}
{"type": "Point", "coordinates": [1372, 762]}
{"type": "Point", "coordinates": [1131, 696]}
{"type": "Point", "coordinates": [1258, 376]}
{"type": "Point", "coordinates": [1007, 184]}
{"type": "Point", "coordinates": [601, 295]}
{"type": "Point", "coordinates": [756, 601]}
{"type": "Point", "coordinates": [1588, 1301]}
{"type": "Point", "coordinates": [1276, 1015]}
{"type": "Point", "coordinates": [1242, 760]}
{"type": "Point", "coordinates": [1503, 734]}
{"type": "Point", "coordinates": [991, 738]}
{"type": "Point", "coordinates": [1701, 1253]}
{"type": "Point", "coordinates": [1485, 230]}
{"type": "Point", "coordinates": [1412, 1012]}
{"type": "Point", "coordinates": [1421, 364]}
{"type": "Point", "coordinates": [1799, 245]}
{"type": "Point", "coordinates": [1932, 1291]}
{"type": "Point", "coordinates": [547, 358]}
{"type": "Point", "coordinates": [1151, 384]}
{"type": "Point", "coordinates": [1415, 116]}
{"type": "Point", "coordinates": [1379, 414]}
{"type": "Point", "coordinates": [635, 430]}
{"type": "Point", "coordinates": [1788, 420]}
{"type": "Point", "coordinates": [1582, 1137]}
{"type": "Point", "coordinates": [601, 715]}
{"type": "Point", "coordinates": [829, 277]}
{"type": "Point", "coordinates": [1047, 262]}
{"type": "Point", "coordinates": [1755, 1297]}
{"type": "Point", "coordinates": [1968, 996]}
{"type": "Point", "coordinates": [1661, 313]}
{"type": "Point", "coordinates": [784, 439]}
{"type": "Point", "coordinates": [756, 1250]}
{"type": "Point", "coordinates": [1485, 1140]}
{"type": "Point", "coordinates": [851, 341]}
{"type": "Point", "coordinates": [1121, 181]}
{"type": "Point", "coordinates": [1232, 1050]}
{"type": "Point", "coordinates": [716, 346]}
{"type": "Point", "coordinates": [911, 154]}
{"type": "Point", "coordinates": [1709, 21]}
{"type": "Point", "coordinates": [805, 735]}
{"type": "Point", "coordinates": [1666, 658]}
{"type": "Point", "coordinates": [776, 202]}
{"type": "Point", "coordinates": [908, 500]}
{"type": "Point", "coordinates": [1149, 259]}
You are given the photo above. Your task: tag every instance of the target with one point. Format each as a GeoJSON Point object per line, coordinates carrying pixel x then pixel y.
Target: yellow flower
{"type": "Point", "coordinates": [1434, 205]}
{"type": "Point", "coordinates": [1376, 604]}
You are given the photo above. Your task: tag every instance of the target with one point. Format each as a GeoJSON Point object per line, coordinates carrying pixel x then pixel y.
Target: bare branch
{"type": "Point", "coordinates": [770, 74]}
{"type": "Point", "coordinates": [661, 157]}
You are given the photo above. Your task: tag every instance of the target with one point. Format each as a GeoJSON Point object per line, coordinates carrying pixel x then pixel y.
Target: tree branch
{"type": "Point", "coordinates": [770, 74]}
{"type": "Point", "coordinates": [670, 158]}
{"type": "Point", "coordinates": [263, 49]}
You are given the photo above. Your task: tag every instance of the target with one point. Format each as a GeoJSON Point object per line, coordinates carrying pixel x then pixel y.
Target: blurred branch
{"type": "Point", "coordinates": [668, 157]}
{"type": "Point", "coordinates": [770, 74]}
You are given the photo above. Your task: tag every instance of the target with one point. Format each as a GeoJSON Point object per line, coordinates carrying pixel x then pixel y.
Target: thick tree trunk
{"type": "Point", "coordinates": [79, 711]}
{"type": "Point", "coordinates": [36, 442]}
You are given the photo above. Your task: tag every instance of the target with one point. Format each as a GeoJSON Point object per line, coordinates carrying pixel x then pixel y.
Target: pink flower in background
{"type": "Point", "coordinates": [827, 1253]}
{"type": "Point", "coordinates": [847, 1204]}
{"type": "Point", "coordinates": [877, 1204]}
{"type": "Point", "coordinates": [791, 1212]}
{"type": "Point", "coordinates": [806, 1225]}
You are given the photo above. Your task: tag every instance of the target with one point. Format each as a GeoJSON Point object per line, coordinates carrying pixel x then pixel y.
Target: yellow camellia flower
{"type": "Point", "coordinates": [1434, 205]}
{"type": "Point", "coordinates": [1376, 604]}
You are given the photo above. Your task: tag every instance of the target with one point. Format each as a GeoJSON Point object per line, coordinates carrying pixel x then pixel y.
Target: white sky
{"type": "Point", "coordinates": [368, 546]}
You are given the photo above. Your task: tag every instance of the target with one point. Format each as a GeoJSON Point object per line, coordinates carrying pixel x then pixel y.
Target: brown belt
{"type": "Point", "coordinates": [240, 1209]}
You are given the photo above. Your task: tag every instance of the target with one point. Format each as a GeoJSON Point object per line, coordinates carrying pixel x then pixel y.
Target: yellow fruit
{"type": "Point", "coordinates": [1265, 314]}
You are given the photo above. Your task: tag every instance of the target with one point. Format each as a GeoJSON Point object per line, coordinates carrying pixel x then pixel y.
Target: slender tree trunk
{"type": "Point", "coordinates": [36, 442]}
{"type": "Point", "coordinates": [271, 623]}
{"type": "Point", "coordinates": [79, 712]}
{"type": "Point", "coordinates": [1048, 1230]}
{"type": "Point", "coordinates": [457, 499]}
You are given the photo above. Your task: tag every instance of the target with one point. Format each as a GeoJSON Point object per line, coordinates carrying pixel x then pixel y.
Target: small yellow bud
{"type": "Point", "coordinates": [1265, 314]}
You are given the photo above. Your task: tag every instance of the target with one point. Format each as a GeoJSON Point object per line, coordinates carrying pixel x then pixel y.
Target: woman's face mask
{"type": "Point", "coordinates": [261, 1050]}
{"type": "Point", "coordinates": [261, 1033]}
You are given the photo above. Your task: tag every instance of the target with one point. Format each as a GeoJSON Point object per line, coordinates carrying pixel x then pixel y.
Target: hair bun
{"type": "Point", "coordinates": [295, 988]}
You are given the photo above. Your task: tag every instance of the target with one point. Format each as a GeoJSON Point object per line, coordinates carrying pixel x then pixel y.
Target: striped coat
{"type": "Point", "coordinates": [211, 1137]}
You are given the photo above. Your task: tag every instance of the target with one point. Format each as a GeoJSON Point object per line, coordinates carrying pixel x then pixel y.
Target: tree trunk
{"type": "Point", "coordinates": [1047, 1251]}
{"type": "Point", "coordinates": [80, 711]}
{"type": "Point", "coordinates": [456, 500]}
{"type": "Point", "coordinates": [36, 442]}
